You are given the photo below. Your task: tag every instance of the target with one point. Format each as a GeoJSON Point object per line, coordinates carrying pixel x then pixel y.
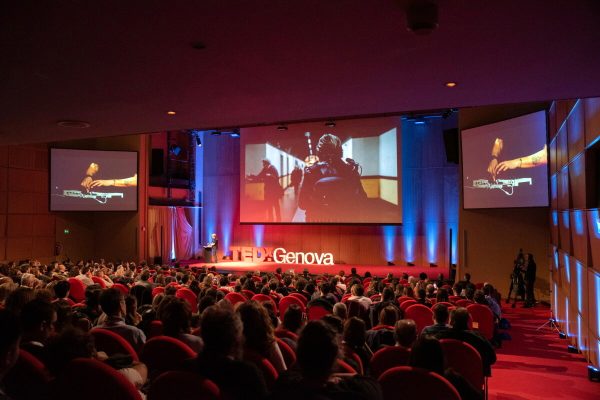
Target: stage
{"type": "Point", "coordinates": [238, 267]}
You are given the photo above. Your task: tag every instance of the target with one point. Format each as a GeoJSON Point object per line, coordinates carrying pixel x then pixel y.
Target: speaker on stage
{"type": "Point", "coordinates": [157, 166]}
{"type": "Point", "coordinates": [451, 145]}
{"type": "Point", "coordinates": [158, 260]}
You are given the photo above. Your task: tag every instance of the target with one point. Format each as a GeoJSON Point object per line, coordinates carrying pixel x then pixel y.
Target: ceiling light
{"type": "Point", "coordinates": [330, 124]}
{"type": "Point", "coordinates": [235, 133]}
{"type": "Point", "coordinates": [171, 113]}
{"type": "Point", "coordinates": [450, 84]}
{"type": "Point", "coordinates": [216, 133]}
{"type": "Point", "coordinates": [73, 124]}
{"type": "Point", "coordinates": [282, 128]}
{"type": "Point", "coordinates": [198, 140]}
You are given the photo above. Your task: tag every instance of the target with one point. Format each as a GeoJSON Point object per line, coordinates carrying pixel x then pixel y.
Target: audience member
{"type": "Point", "coordinates": [405, 333]}
{"type": "Point", "coordinates": [440, 320]}
{"type": "Point", "coordinates": [112, 303]}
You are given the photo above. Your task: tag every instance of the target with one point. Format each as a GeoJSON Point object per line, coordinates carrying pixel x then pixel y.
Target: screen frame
{"type": "Point", "coordinates": [137, 188]}
{"type": "Point", "coordinates": [399, 146]}
{"type": "Point", "coordinates": [462, 184]}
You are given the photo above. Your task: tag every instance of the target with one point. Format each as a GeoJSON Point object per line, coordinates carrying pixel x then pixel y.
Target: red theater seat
{"type": "Point", "coordinates": [317, 312]}
{"type": "Point", "coordinates": [263, 298]}
{"type": "Point", "coordinates": [28, 379]}
{"type": "Point", "coordinates": [402, 299]}
{"type": "Point", "coordinates": [248, 293]}
{"type": "Point", "coordinates": [189, 296]}
{"type": "Point", "coordinates": [446, 304]}
{"type": "Point", "coordinates": [77, 291]}
{"type": "Point", "coordinates": [286, 302]}
{"type": "Point", "coordinates": [422, 315]}
{"type": "Point", "coordinates": [268, 370]}
{"type": "Point", "coordinates": [124, 289]}
{"type": "Point", "coordinates": [289, 356]}
{"type": "Point", "coordinates": [300, 297]}
{"type": "Point", "coordinates": [407, 303]}
{"type": "Point", "coordinates": [463, 303]}
{"type": "Point", "coordinates": [284, 333]}
{"type": "Point", "coordinates": [235, 298]}
{"type": "Point", "coordinates": [99, 281]}
{"type": "Point", "coordinates": [93, 380]}
{"type": "Point", "coordinates": [375, 297]}
{"type": "Point", "coordinates": [182, 385]}
{"type": "Point", "coordinates": [454, 299]}
{"type": "Point", "coordinates": [343, 367]}
{"type": "Point", "coordinates": [387, 358]}
{"type": "Point", "coordinates": [164, 353]}
{"type": "Point", "coordinates": [156, 329]}
{"type": "Point", "coordinates": [464, 359]}
{"type": "Point", "coordinates": [157, 290]}
{"type": "Point", "coordinates": [408, 383]}
{"type": "Point", "coordinates": [483, 319]}
{"type": "Point", "coordinates": [112, 343]}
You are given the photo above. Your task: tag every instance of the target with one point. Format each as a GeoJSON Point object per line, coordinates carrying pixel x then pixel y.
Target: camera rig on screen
{"type": "Point", "coordinates": [505, 185]}
{"type": "Point", "coordinates": [100, 197]}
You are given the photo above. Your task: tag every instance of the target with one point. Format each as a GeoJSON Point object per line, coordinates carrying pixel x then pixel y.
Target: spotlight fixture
{"type": "Point", "coordinates": [235, 133]}
{"type": "Point", "coordinates": [432, 264]}
{"type": "Point", "coordinates": [282, 127]}
{"type": "Point", "coordinates": [572, 349]}
{"type": "Point", "coordinates": [171, 113]}
{"type": "Point", "coordinates": [419, 121]}
{"type": "Point", "coordinates": [330, 124]}
{"type": "Point", "coordinates": [562, 335]}
{"type": "Point", "coordinates": [593, 373]}
{"type": "Point", "coordinates": [390, 263]}
{"type": "Point", "coordinates": [216, 133]}
{"type": "Point", "coordinates": [450, 84]}
{"type": "Point", "coordinates": [410, 264]}
{"type": "Point", "coordinates": [198, 140]}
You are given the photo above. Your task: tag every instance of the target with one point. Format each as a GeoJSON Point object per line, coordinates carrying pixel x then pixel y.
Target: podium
{"type": "Point", "coordinates": [208, 254]}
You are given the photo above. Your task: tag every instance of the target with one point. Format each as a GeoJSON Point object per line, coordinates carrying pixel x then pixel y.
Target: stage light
{"type": "Point", "coordinates": [330, 124]}
{"type": "Point", "coordinates": [282, 127]}
{"type": "Point", "coordinates": [390, 263]}
{"type": "Point", "coordinates": [593, 373]}
{"type": "Point", "coordinates": [450, 84]}
{"type": "Point", "coordinates": [198, 140]}
{"type": "Point", "coordinates": [216, 133]}
{"type": "Point", "coordinates": [572, 349]}
{"type": "Point", "coordinates": [235, 133]}
{"type": "Point", "coordinates": [171, 113]}
{"type": "Point", "coordinates": [432, 264]}
{"type": "Point", "coordinates": [562, 335]}
{"type": "Point", "coordinates": [174, 149]}
{"type": "Point", "coordinates": [409, 264]}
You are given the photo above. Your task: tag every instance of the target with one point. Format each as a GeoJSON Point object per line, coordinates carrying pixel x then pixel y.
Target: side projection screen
{"type": "Point", "coordinates": [90, 180]}
{"type": "Point", "coordinates": [505, 163]}
{"type": "Point", "coordinates": [312, 173]}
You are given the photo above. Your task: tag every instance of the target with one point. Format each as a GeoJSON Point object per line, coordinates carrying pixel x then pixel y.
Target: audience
{"type": "Point", "coordinates": [10, 336]}
{"type": "Point", "coordinates": [112, 303]}
{"type": "Point", "coordinates": [440, 320]}
{"type": "Point", "coordinates": [405, 333]}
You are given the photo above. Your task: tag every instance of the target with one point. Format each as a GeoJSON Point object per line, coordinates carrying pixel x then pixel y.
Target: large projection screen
{"type": "Point", "coordinates": [312, 173]}
{"type": "Point", "coordinates": [505, 163]}
{"type": "Point", "coordinates": [92, 180]}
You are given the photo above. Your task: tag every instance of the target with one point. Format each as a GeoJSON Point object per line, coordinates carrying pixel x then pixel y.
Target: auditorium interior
{"type": "Point", "coordinates": [185, 86]}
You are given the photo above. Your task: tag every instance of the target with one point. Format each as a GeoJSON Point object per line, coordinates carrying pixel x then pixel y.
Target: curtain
{"type": "Point", "coordinates": [184, 240]}
{"type": "Point", "coordinates": [170, 235]}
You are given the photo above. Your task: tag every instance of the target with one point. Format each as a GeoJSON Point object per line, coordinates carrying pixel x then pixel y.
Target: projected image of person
{"type": "Point", "coordinates": [89, 183]}
{"type": "Point", "coordinates": [296, 178]}
{"type": "Point", "coordinates": [272, 190]}
{"type": "Point", "coordinates": [331, 189]}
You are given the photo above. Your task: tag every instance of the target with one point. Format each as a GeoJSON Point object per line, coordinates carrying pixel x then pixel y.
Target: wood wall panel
{"type": "Point", "coordinates": [577, 182]}
{"type": "Point", "coordinates": [575, 127]}
{"type": "Point", "coordinates": [43, 225]}
{"type": "Point", "coordinates": [19, 247]}
{"type": "Point", "coordinates": [593, 226]}
{"type": "Point", "coordinates": [562, 147]}
{"type": "Point", "coordinates": [564, 202]}
{"type": "Point", "coordinates": [21, 203]}
{"type": "Point", "coordinates": [592, 119]}
{"type": "Point", "coordinates": [20, 225]}
{"type": "Point", "coordinates": [21, 180]}
{"type": "Point", "coordinates": [43, 247]}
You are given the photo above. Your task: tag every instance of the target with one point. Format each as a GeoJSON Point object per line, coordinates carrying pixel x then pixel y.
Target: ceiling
{"type": "Point", "coordinates": [121, 65]}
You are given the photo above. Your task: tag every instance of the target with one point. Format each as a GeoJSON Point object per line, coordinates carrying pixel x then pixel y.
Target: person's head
{"type": "Point", "coordinates": [176, 317]}
{"type": "Point", "coordinates": [442, 295]}
{"type": "Point", "coordinates": [221, 330]}
{"type": "Point", "coordinates": [405, 332]}
{"type": "Point", "coordinates": [357, 290]}
{"type": "Point", "coordinates": [213, 236]}
{"type": "Point", "coordinates": [440, 314]}
{"type": "Point", "coordinates": [61, 289]}
{"type": "Point", "coordinates": [430, 290]}
{"type": "Point", "coordinates": [488, 289]}
{"type": "Point", "coordinates": [17, 299]}
{"type": "Point", "coordinates": [468, 277]}
{"type": "Point", "coordinates": [10, 336]}
{"type": "Point", "coordinates": [459, 319]}
{"type": "Point", "coordinates": [70, 344]}
{"type": "Point", "coordinates": [145, 276]}
{"type": "Point", "coordinates": [353, 271]}
{"type": "Point", "coordinates": [86, 270]}
{"type": "Point", "coordinates": [479, 297]}
{"type": "Point", "coordinates": [317, 351]}
{"type": "Point", "coordinates": [329, 147]}
{"type": "Point", "coordinates": [341, 311]}
{"type": "Point", "coordinates": [421, 294]}
{"type": "Point", "coordinates": [334, 323]}
{"type": "Point", "coordinates": [292, 319]}
{"type": "Point", "coordinates": [266, 162]}
{"type": "Point", "coordinates": [423, 276]}
{"type": "Point", "coordinates": [355, 332]}
{"type": "Point", "coordinates": [427, 353]}
{"type": "Point", "coordinates": [388, 316]}
{"type": "Point", "coordinates": [112, 302]}
{"type": "Point", "coordinates": [258, 331]}
{"type": "Point", "coordinates": [130, 305]}
{"type": "Point", "coordinates": [37, 319]}
{"type": "Point", "coordinates": [529, 257]}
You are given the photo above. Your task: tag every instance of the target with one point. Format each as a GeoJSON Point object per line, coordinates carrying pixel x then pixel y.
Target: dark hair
{"type": "Point", "coordinates": [92, 295]}
{"type": "Point", "coordinates": [405, 332]}
{"type": "Point", "coordinates": [221, 331]}
{"type": "Point", "coordinates": [423, 276]}
{"type": "Point", "coordinates": [479, 297]}
{"type": "Point", "coordinates": [176, 317]}
{"type": "Point", "coordinates": [317, 350]}
{"type": "Point", "coordinates": [388, 315]}
{"type": "Point", "coordinates": [460, 319]}
{"type": "Point", "coordinates": [292, 319]}
{"type": "Point", "coordinates": [442, 295]}
{"type": "Point", "coordinates": [355, 332]}
{"type": "Point", "coordinates": [329, 147]}
{"type": "Point", "coordinates": [18, 298]}
{"type": "Point", "coordinates": [110, 301]}
{"type": "Point", "coordinates": [10, 332]}
{"type": "Point", "coordinates": [70, 344]}
{"type": "Point", "coordinates": [334, 322]}
{"type": "Point", "coordinates": [145, 276]}
{"type": "Point", "coordinates": [258, 331]}
{"type": "Point", "coordinates": [35, 313]}
{"type": "Point", "coordinates": [61, 289]}
{"type": "Point", "coordinates": [387, 294]}
{"type": "Point", "coordinates": [427, 353]}
{"type": "Point", "coordinates": [440, 313]}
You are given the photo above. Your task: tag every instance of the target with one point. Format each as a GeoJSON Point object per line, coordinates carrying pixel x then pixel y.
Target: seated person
{"type": "Point", "coordinates": [383, 334]}
{"type": "Point", "coordinates": [440, 320]}
{"type": "Point", "coordinates": [388, 299]}
{"type": "Point", "coordinates": [37, 320]}
{"type": "Point", "coordinates": [176, 317]}
{"type": "Point", "coordinates": [10, 337]}
{"type": "Point", "coordinates": [112, 302]}
{"type": "Point", "coordinates": [61, 291]}
{"type": "Point", "coordinates": [422, 298]}
{"type": "Point", "coordinates": [405, 333]}
{"type": "Point", "coordinates": [355, 341]}
{"type": "Point", "coordinates": [292, 322]}
{"type": "Point", "coordinates": [358, 292]}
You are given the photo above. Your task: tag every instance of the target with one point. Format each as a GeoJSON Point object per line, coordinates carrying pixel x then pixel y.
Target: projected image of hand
{"type": "Point", "coordinates": [91, 170]}
{"type": "Point", "coordinates": [122, 182]}
{"type": "Point", "coordinates": [492, 168]}
{"type": "Point", "coordinates": [533, 160]}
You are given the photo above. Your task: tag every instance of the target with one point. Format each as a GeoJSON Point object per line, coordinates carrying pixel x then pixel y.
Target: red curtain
{"type": "Point", "coordinates": [170, 234]}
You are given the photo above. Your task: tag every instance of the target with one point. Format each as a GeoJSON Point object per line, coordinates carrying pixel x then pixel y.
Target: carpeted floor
{"type": "Point", "coordinates": [535, 364]}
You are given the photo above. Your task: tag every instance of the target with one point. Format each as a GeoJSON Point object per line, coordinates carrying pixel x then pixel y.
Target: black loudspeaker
{"type": "Point", "coordinates": [451, 145]}
{"type": "Point", "coordinates": [157, 167]}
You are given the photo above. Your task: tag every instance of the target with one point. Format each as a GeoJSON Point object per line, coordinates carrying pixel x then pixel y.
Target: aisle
{"type": "Point", "coordinates": [536, 365]}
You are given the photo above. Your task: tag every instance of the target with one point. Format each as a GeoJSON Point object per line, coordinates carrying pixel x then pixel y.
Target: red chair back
{"type": "Point", "coordinates": [156, 329]}
{"type": "Point", "coordinates": [387, 358]}
{"type": "Point", "coordinates": [183, 385]}
{"type": "Point", "coordinates": [124, 289]}
{"type": "Point", "coordinates": [93, 380]}
{"type": "Point", "coordinates": [28, 378]}
{"type": "Point", "coordinates": [317, 312]}
{"type": "Point", "coordinates": [446, 304]}
{"type": "Point", "coordinates": [343, 367]}
{"type": "Point", "coordinates": [189, 296]}
{"type": "Point", "coordinates": [289, 356]}
{"type": "Point", "coordinates": [235, 298]}
{"type": "Point", "coordinates": [300, 297]}
{"type": "Point", "coordinates": [248, 293]}
{"type": "Point", "coordinates": [164, 353]}
{"type": "Point", "coordinates": [112, 343]}
{"type": "Point", "coordinates": [367, 281]}
{"type": "Point", "coordinates": [268, 370]}
{"type": "Point", "coordinates": [463, 303]}
{"type": "Point", "coordinates": [287, 301]}
{"type": "Point", "coordinates": [263, 298]}
{"type": "Point", "coordinates": [454, 299]}
{"type": "Point", "coordinates": [407, 303]}
{"type": "Point", "coordinates": [225, 290]}
{"type": "Point", "coordinates": [375, 297]}
{"type": "Point", "coordinates": [77, 291]}
{"type": "Point", "coordinates": [422, 315]}
{"type": "Point", "coordinates": [408, 383]}
{"type": "Point", "coordinates": [157, 290]}
{"type": "Point", "coordinates": [284, 333]}
{"type": "Point", "coordinates": [99, 281]}
{"type": "Point", "coordinates": [351, 354]}
{"type": "Point", "coordinates": [464, 359]}
{"type": "Point", "coordinates": [483, 319]}
{"type": "Point", "coordinates": [402, 299]}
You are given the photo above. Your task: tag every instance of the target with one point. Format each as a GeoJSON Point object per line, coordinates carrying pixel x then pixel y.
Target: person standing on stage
{"type": "Point", "coordinates": [214, 246]}
{"type": "Point", "coordinates": [273, 190]}
{"type": "Point", "coordinates": [530, 272]}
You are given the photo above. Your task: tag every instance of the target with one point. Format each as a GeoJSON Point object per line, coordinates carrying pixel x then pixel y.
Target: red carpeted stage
{"type": "Point", "coordinates": [375, 270]}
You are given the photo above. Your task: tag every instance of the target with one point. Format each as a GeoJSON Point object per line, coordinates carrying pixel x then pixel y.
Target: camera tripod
{"type": "Point", "coordinates": [551, 323]}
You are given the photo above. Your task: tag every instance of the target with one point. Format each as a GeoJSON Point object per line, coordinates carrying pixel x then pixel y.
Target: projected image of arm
{"type": "Point", "coordinates": [533, 160]}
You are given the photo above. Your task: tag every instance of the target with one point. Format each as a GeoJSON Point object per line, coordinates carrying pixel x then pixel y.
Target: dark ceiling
{"type": "Point", "coordinates": [121, 65]}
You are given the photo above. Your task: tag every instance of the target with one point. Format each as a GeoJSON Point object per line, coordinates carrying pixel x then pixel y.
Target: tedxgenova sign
{"type": "Point", "coordinates": [279, 255]}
